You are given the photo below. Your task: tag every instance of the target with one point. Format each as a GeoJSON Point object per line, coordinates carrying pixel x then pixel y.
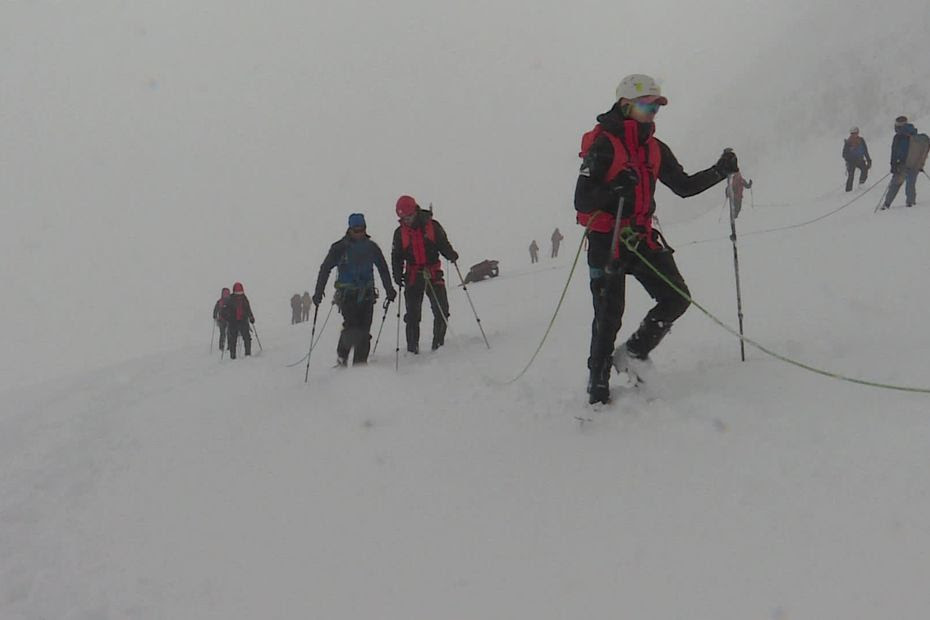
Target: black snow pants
{"type": "Point", "coordinates": [439, 303]}
{"type": "Point", "coordinates": [608, 293]}
{"type": "Point", "coordinates": [236, 329]}
{"type": "Point", "coordinates": [851, 172]}
{"type": "Point", "coordinates": [221, 326]}
{"type": "Point", "coordinates": [357, 309]}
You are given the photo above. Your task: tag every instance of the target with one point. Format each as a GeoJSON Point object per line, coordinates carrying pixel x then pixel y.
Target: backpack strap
{"type": "Point", "coordinates": [413, 240]}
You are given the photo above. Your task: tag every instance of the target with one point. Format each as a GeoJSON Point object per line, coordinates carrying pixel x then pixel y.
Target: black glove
{"type": "Point", "coordinates": [454, 256]}
{"type": "Point", "coordinates": [868, 165]}
{"type": "Point", "coordinates": [727, 164]}
{"type": "Point", "coordinates": [252, 320]}
{"type": "Point", "coordinates": [626, 179]}
{"type": "Point", "coordinates": [391, 294]}
{"type": "Point", "coordinates": [317, 298]}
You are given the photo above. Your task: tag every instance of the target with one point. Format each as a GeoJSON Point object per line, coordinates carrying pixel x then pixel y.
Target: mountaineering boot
{"type": "Point", "coordinates": [439, 333]}
{"type": "Point", "coordinates": [413, 338]}
{"type": "Point", "coordinates": [599, 384]}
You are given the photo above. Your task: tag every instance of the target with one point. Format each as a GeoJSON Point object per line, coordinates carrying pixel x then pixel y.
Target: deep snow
{"type": "Point", "coordinates": [183, 487]}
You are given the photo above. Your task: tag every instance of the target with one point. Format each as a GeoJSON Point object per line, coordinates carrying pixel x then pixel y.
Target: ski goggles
{"type": "Point", "coordinates": [647, 107]}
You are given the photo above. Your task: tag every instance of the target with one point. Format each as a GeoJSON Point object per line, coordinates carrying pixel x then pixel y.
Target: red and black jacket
{"type": "Point", "coordinates": [652, 160]}
{"type": "Point", "coordinates": [237, 309]}
{"type": "Point", "coordinates": [417, 248]}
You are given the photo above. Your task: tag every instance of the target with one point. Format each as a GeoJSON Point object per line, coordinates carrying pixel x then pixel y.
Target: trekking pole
{"type": "Point", "coordinates": [257, 339]}
{"type": "Point", "coordinates": [313, 341]}
{"type": "Point", "coordinates": [397, 348]}
{"type": "Point", "coordinates": [881, 200]}
{"type": "Point", "coordinates": [212, 334]}
{"type": "Point", "coordinates": [739, 297]}
{"type": "Point", "coordinates": [613, 263]}
{"type": "Point", "coordinates": [475, 312]}
{"type": "Point", "coordinates": [387, 302]}
{"type": "Point", "coordinates": [925, 174]}
{"type": "Point", "coordinates": [752, 199]}
{"type": "Point", "coordinates": [611, 268]}
{"type": "Point", "coordinates": [316, 310]}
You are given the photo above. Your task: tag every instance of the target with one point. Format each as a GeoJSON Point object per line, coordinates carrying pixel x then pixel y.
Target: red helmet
{"type": "Point", "coordinates": [237, 288]}
{"type": "Point", "coordinates": [225, 292]}
{"type": "Point", "coordinates": [406, 205]}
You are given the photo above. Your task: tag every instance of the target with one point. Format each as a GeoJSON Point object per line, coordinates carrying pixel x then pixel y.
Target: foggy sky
{"type": "Point", "coordinates": [155, 152]}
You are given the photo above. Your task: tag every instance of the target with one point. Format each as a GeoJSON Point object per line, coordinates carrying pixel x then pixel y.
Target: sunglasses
{"type": "Point", "coordinates": [647, 108]}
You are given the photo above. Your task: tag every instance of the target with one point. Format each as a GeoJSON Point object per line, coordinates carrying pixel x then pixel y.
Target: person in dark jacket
{"type": "Point", "coordinates": [237, 311]}
{"type": "Point", "coordinates": [534, 252]}
{"type": "Point", "coordinates": [354, 256]}
{"type": "Point", "coordinates": [296, 308]}
{"type": "Point", "coordinates": [305, 303]}
{"type": "Point", "coordinates": [901, 174]}
{"type": "Point", "coordinates": [622, 161]}
{"type": "Point", "coordinates": [556, 242]}
{"type": "Point", "coordinates": [218, 316]}
{"type": "Point", "coordinates": [418, 243]}
{"type": "Point", "coordinates": [856, 155]}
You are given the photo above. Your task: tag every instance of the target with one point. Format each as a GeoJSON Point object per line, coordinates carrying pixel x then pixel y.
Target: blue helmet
{"type": "Point", "coordinates": [357, 220]}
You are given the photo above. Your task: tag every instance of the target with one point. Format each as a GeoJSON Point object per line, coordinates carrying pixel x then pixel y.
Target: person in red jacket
{"type": "Point", "coordinates": [417, 245]}
{"type": "Point", "coordinates": [218, 317]}
{"type": "Point", "coordinates": [622, 162]}
{"type": "Point", "coordinates": [238, 315]}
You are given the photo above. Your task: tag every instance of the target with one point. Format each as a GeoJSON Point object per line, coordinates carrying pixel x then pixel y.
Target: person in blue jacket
{"type": "Point", "coordinates": [355, 256]}
{"type": "Point", "coordinates": [903, 131]}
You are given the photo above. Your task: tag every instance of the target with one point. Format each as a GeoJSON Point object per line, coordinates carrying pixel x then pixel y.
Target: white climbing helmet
{"type": "Point", "coordinates": [637, 86]}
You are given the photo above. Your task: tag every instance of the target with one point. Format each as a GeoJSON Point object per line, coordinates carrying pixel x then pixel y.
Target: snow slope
{"type": "Point", "coordinates": [177, 486]}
